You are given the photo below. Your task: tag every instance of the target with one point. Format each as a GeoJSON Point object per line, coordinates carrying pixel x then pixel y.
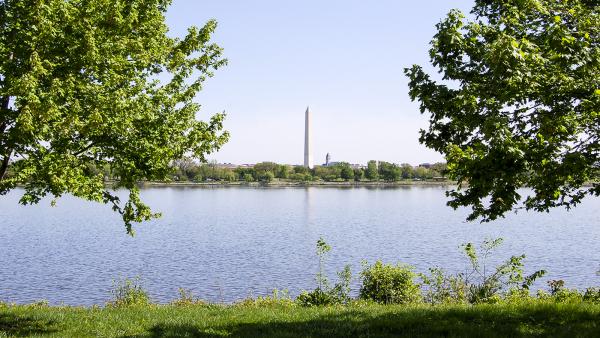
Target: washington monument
{"type": "Point", "coordinates": [308, 160]}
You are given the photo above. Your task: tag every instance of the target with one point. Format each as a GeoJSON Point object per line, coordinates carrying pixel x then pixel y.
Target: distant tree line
{"type": "Point", "coordinates": [268, 171]}
{"type": "Point", "coordinates": [187, 170]}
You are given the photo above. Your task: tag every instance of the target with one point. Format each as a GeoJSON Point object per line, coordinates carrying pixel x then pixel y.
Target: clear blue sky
{"type": "Point", "coordinates": [343, 58]}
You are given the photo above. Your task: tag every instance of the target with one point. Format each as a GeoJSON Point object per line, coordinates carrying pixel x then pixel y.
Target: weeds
{"type": "Point", "coordinates": [277, 298]}
{"type": "Point", "coordinates": [324, 294]}
{"type": "Point", "coordinates": [128, 292]}
{"type": "Point", "coordinates": [187, 298]}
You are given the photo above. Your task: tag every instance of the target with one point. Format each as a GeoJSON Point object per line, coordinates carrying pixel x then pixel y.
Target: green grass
{"type": "Point", "coordinates": [359, 320]}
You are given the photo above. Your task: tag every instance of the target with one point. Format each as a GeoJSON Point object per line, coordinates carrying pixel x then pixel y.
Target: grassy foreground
{"type": "Point", "coordinates": [276, 320]}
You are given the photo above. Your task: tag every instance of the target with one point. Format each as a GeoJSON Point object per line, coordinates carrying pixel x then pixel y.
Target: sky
{"type": "Point", "coordinates": [343, 58]}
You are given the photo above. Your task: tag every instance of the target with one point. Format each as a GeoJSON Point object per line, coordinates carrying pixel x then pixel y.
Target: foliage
{"type": "Point", "coordinates": [359, 174]}
{"type": "Point", "coordinates": [559, 293]}
{"type": "Point", "coordinates": [267, 177]}
{"type": "Point", "coordinates": [187, 169]}
{"type": "Point", "coordinates": [96, 83]}
{"type": "Point", "coordinates": [480, 284]}
{"type": "Point", "coordinates": [518, 105]}
{"type": "Point", "coordinates": [277, 298]}
{"type": "Point", "coordinates": [317, 297]}
{"type": "Point", "coordinates": [389, 284]}
{"type": "Point", "coordinates": [324, 294]}
{"type": "Point", "coordinates": [441, 288]}
{"type": "Point", "coordinates": [592, 295]}
{"type": "Point", "coordinates": [187, 298]}
{"type": "Point", "coordinates": [372, 171]}
{"type": "Point", "coordinates": [129, 292]}
{"type": "Point", "coordinates": [347, 173]}
{"type": "Point", "coordinates": [322, 249]}
{"type": "Point", "coordinates": [389, 171]}
{"type": "Point", "coordinates": [485, 286]}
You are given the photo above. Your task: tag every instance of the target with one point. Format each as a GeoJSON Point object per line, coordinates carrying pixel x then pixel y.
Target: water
{"type": "Point", "coordinates": [229, 243]}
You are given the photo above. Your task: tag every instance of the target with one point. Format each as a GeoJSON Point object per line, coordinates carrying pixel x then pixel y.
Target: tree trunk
{"type": "Point", "coordinates": [5, 101]}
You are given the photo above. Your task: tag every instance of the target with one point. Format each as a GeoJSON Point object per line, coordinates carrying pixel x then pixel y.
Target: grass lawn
{"type": "Point", "coordinates": [359, 320]}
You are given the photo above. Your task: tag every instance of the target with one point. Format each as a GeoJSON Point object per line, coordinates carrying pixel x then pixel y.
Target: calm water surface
{"type": "Point", "coordinates": [229, 243]}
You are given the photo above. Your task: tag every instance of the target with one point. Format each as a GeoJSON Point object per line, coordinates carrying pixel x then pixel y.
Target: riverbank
{"type": "Point", "coordinates": [252, 319]}
{"type": "Point", "coordinates": [281, 183]}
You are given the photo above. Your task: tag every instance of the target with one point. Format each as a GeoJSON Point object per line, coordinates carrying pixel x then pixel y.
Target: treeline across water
{"type": "Point", "coordinates": [338, 172]}
{"type": "Point", "coordinates": [187, 170]}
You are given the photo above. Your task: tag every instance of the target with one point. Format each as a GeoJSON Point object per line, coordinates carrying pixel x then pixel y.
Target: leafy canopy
{"type": "Point", "coordinates": [90, 83]}
{"type": "Point", "coordinates": [518, 104]}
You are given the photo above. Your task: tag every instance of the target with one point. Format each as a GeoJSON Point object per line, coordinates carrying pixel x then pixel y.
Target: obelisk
{"type": "Point", "coordinates": [308, 161]}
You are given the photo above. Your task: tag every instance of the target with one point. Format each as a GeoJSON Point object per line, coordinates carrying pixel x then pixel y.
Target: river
{"type": "Point", "coordinates": [229, 243]}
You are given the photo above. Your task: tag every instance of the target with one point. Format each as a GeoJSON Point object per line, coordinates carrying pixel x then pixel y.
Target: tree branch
{"type": "Point", "coordinates": [5, 101]}
{"type": "Point", "coordinates": [4, 165]}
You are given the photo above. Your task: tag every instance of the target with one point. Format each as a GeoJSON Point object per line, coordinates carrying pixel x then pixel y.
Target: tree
{"type": "Point", "coordinates": [389, 171]}
{"type": "Point", "coordinates": [439, 169]}
{"type": "Point", "coordinates": [407, 171]}
{"type": "Point", "coordinates": [266, 166]}
{"type": "Point", "coordinates": [100, 82]}
{"type": "Point", "coordinates": [371, 172]}
{"type": "Point", "coordinates": [347, 173]}
{"type": "Point", "coordinates": [359, 173]}
{"type": "Point", "coordinates": [283, 171]}
{"type": "Point", "coordinates": [185, 167]}
{"type": "Point", "coordinates": [518, 105]}
{"type": "Point", "coordinates": [267, 176]}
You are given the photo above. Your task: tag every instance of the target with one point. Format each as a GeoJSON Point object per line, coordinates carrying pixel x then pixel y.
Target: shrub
{"type": "Point", "coordinates": [441, 288]}
{"type": "Point", "coordinates": [186, 297]}
{"type": "Point", "coordinates": [317, 297]}
{"type": "Point", "coordinates": [486, 287]}
{"type": "Point", "coordinates": [560, 294]}
{"type": "Point", "coordinates": [389, 284]}
{"type": "Point", "coordinates": [324, 294]}
{"type": "Point", "coordinates": [129, 292]}
{"type": "Point", "coordinates": [592, 295]}
{"type": "Point", "coordinates": [341, 289]}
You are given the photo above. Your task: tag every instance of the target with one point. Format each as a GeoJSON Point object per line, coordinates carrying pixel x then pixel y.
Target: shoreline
{"type": "Point", "coordinates": [279, 184]}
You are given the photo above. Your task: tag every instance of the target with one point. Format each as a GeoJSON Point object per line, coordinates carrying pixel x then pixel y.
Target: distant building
{"type": "Point", "coordinates": [329, 163]}
{"type": "Point", "coordinates": [227, 165]}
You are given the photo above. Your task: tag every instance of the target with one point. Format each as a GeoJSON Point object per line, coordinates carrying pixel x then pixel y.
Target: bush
{"type": "Point", "coordinates": [441, 288]}
{"type": "Point", "coordinates": [324, 294]}
{"type": "Point", "coordinates": [489, 285]}
{"type": "Point", "coordinates": [560, 294]}
{"type": "Point", "coordinates": [186, 298]}
{"type": "Point", "coordinates": [389, 284]}
{"type": "Point", "coordinates": [317, 297]}
{"type": "Point", "coordinates": [129, 292]}
{"type": "Point", "coordinates": [592, 295]}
